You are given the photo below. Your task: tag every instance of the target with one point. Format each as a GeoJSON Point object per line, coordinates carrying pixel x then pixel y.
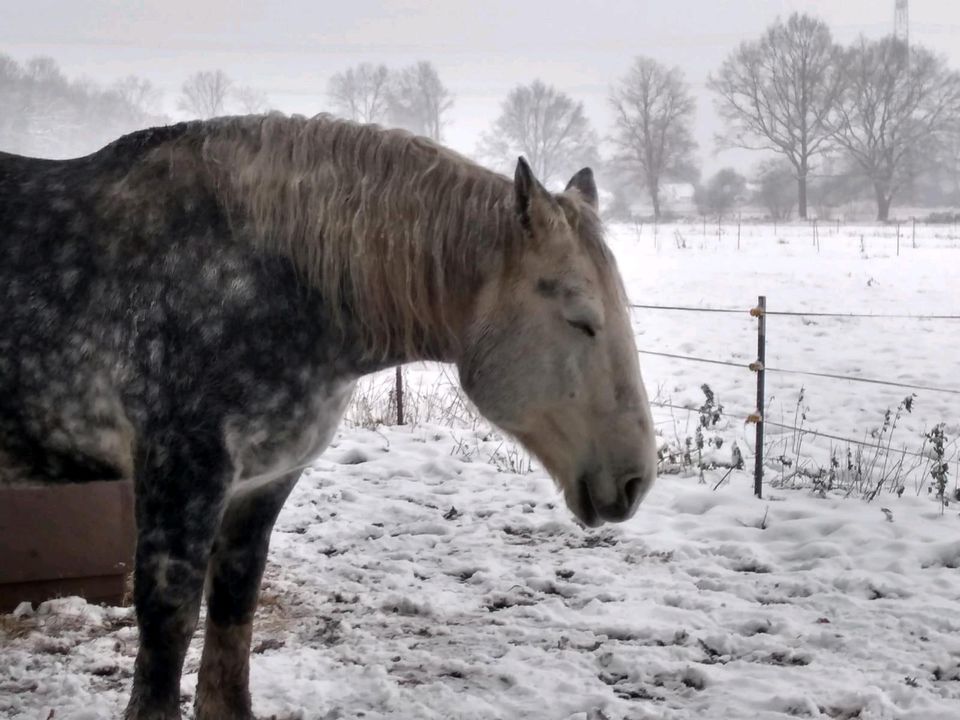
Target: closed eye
{"type": "Point", "coordinates": [583, 327]}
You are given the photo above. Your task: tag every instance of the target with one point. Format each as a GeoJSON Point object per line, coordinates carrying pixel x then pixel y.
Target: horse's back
{"type": "Point", "coordinates": [129, 308]}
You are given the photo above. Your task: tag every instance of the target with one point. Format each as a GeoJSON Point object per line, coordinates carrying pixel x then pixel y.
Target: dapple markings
{"type": "Point", "coordinates": [192, 305]}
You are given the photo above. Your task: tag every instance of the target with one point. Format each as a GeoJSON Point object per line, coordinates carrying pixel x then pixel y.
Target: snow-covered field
{"type": "Point", "coordinates": [415, 575]}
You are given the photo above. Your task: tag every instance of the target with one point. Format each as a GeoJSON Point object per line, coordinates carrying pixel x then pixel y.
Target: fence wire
{"type": "Point", "coordinates": [875, 316]}
{"type": "Point", "coordinates": [802, 430]}
{"type": "Point", "coordinates": [811, 373]}
{"type": "Point", "coordinates": [755, 312]}
{"type": "Point", "coordinates": [709, 361]}
{"type": "Point", "coordinates": [792, 313]}
{"type": "Point", "coordinates": [869, 381]}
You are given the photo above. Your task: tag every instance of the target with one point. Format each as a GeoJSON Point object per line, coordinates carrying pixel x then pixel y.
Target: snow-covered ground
{"type": "Point", "coordinates": [415, 574]}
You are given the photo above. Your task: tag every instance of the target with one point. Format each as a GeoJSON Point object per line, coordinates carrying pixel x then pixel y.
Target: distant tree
{"type": "Point", "coordinates": [776, 188]}
{"type": "Point", "coordinates": [948, 159]}
{"type": "Point", "coordinates": [777, 93]}
{"type": "Point", "coordinates": [895, 103]}
{"type": "Point", "coordinates": [12, 102]}
{"type": "Point", "coordinates": [652, 130]}
{"type": "Point", "coordinates": [130, 103]}
{"type": "Point", "coordinates": [361, 93]}
{"type": "Point", "coordinates": [138, 93]}
{"type": "Point", "coordinates": [418, 100]}
{"type": "Point", "coordinates": [46, 114]}
{"type": "Point", "coordinates": [544, 125]}
{"type": "Point", "coordinates": [251, 100]}
{"type": "Point", "coordinates": [721, 193]}
{"type": "Point", "coordinates": [204, 94]}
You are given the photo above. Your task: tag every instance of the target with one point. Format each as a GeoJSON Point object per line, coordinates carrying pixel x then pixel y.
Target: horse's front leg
{"type": "Point", "coordinates": [236, 567]}
{"type": "Point", "coordinates": [180, 486]}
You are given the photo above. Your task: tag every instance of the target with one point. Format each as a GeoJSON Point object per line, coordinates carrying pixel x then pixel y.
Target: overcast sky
{"type": "Point", "coordinates": [290, 48]}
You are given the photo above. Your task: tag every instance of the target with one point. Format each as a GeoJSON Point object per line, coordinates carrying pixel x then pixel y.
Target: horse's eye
{"type": "Point", "coordinates": [583, 327]}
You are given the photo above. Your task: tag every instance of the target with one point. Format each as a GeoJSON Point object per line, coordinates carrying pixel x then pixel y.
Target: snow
{"type": "Point", "coordinates": [420, 572]}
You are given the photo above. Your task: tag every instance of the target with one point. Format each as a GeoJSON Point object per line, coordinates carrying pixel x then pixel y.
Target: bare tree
{"type": "Point", "coordinates": [777, 93]}
{"type": "Point", "coordinates": [12, 101]}
{"type": "Point", "coordinates": [544, 125]}
{"type": "Point", "coordinates": [138, 93]}
{"type": "Point", "coordinates": [205, 93]}
{"type": "Point", "coordinates": [654, 111]}
{"type": "Point", "coordinates": [251, 100]}
{"type": "Point", "coordinates": [418, 100]}
{"type": "Point", "coordinates": [47, 114]}
{"type": "Point", "coordinates": [361, 93]}
{"type": "Point", "coordinates": [896, 102]}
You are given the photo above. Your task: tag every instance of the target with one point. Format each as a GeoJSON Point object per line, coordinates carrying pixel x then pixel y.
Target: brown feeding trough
{"type": "Point", "coordinates": [59, 540]}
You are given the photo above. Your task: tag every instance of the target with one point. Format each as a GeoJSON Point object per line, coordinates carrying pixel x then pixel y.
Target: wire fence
{"type": "Point", "coordinates": [797, 313]}
{"type": "Point", "coordinates": [759, 367]}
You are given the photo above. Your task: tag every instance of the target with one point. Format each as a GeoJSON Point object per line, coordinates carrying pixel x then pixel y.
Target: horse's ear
{"type": "Point", "coordinates": [528, 193]}
{"type": "Point", "coordinates": [584, 184]}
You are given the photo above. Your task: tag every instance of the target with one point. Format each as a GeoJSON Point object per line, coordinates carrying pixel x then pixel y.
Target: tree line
{"type": "Point", "coordinates": [44, 113]}
{"type": "Point", "coordinates": [831, 121]}
{"type": "Point", "coordinates": [878, 114]}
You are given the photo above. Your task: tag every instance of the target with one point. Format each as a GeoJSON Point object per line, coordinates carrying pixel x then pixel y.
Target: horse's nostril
{"type": "Point", "coordinates": [633, 488]}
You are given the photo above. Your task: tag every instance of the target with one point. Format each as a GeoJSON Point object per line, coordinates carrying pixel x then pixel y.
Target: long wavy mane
{"type": "Point", "coordinates": [383, 222]}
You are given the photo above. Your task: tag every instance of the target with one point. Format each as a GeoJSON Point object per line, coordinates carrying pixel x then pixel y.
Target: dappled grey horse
{"type": "Point", "coordinates": [191, 306]}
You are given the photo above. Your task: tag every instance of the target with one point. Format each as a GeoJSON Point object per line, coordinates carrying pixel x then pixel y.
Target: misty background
{"type": "Point", "coordinates": [129, 64]}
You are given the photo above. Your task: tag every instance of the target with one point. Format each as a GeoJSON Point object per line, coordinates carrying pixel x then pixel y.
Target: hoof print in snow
{"type": "Point", "coordinates": [786, 658]}
{"type": "Point", "coordinates": [267, 644]}
{"type": "Point", "coordinates": [626, 690]}
{"type": "Point", "coordinates": [328, 632]}
{"type": "Point", "coordinates": [597, 540]}
{"type": "Point", "coordinates": [353, 456]}
{"type": "Point", "coordinates": [712, 655]}
{"type": "Point", "coordinates": [502, 601]}
{"type": "Point", "coordinates": [948, 674]}
{"type": "Point", "coordinates": [688, 678]}
{"type": "Point", "coordinates": [406, 606]}
{"type": "Point", "coordinates": [105, 670]}
{"type": "Point", "coordinates": [752, 566]}
{"type": "Point", "coordinates": [843, 712]}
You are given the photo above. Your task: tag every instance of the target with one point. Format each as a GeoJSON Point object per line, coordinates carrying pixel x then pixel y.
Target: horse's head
{"type": "Point", "coordinates": [550, 356]}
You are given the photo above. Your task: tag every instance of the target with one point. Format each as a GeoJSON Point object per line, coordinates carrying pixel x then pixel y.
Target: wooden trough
{"type": "Point", "coordinates": [60, 540]}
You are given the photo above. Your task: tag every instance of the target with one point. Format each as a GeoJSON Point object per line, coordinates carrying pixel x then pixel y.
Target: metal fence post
{"type": "Point", "coordinates": [399, 393]}
{"type": "Point", "coordinates": [760, 312]}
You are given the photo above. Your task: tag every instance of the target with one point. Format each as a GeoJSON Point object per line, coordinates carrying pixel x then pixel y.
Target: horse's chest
{"type": "Point", "coordinates": [274, 439]}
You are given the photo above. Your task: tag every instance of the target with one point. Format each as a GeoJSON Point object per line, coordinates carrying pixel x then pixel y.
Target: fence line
{"type": "Point", "coordinates": [742, 366]}
{"type": "Point", "coordinates": [690, 309]}
{"type": "Point", "coordinates": [883, 316]}
{"type": "Point", "coordinates": [794, 428]}
{"type": "Point", "coordinates": [870, 381]}
{"type": "Point", "coordinates": [812, 373]}
{"type": "Point", "coordinates": [759, 367]}
{"type": "Point", "coordinates": [790, 313]}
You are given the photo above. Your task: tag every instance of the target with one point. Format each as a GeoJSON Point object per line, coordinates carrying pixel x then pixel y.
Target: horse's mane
{"type": "Point", "coordinates": [392, 228]}
{"type": "Point", "coordinates": [382, 221]}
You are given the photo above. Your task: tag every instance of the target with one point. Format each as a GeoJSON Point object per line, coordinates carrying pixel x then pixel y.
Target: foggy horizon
{"type": "Point", "coordinates": [290, 53]}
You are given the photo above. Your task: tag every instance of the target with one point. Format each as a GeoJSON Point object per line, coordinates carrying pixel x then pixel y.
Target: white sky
{"type": "Point", "coordinates": [290, 49]}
